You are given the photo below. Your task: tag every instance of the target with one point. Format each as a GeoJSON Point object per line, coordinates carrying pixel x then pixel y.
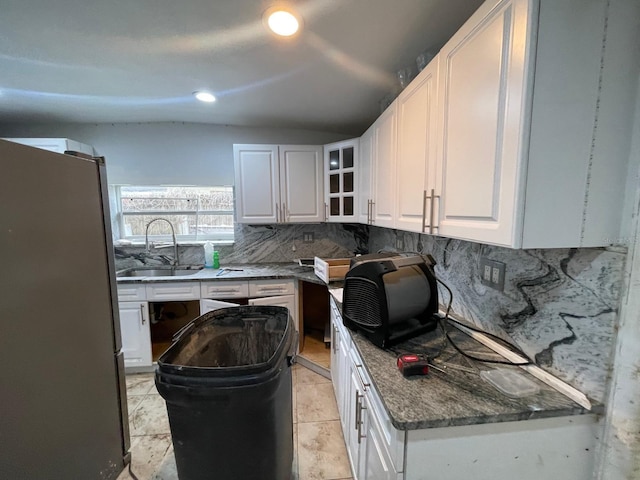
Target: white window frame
{"type": "Point", "coordinates": [221, 237]}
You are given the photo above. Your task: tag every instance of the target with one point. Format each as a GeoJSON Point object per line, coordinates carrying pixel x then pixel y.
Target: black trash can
{"type": "Point", "coordinates": [227, 384]}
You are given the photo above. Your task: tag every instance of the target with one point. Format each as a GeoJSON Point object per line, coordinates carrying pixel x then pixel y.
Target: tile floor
{"type": "Point", "coordinates": [319, 450]}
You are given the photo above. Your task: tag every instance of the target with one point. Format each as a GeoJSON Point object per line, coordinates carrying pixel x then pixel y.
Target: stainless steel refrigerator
{"type": "Point", "coordinates": [63, 410]}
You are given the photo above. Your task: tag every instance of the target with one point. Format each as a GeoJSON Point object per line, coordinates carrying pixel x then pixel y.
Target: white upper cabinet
{"type": "Point", "coordinates": [365, 176]}
{"type": "Point", "coordinates": [301, 183]}
{"type": "Point", "coordinates": [525, 141]}
{"type": "Point", "coordinates": [278, 184]}
{"type": "Point", "coordinates": [416, 150]}
{"type": "Point", "coordinates": [257, 173]}
{"type": "Point", "coordinates": [384, 167]}
{"type": "Point", "coordinates": [341, 180]}
{"type": "Point", "coordinates": [483, 124]}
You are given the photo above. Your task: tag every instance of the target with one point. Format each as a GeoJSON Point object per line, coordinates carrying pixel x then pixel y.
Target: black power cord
{"type": "Point", "coordinates": [505, 343]}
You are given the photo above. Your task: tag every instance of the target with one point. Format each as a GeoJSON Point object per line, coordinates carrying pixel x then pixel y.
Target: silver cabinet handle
{"type": "Point", "coordinates": [360, 435]}
{"type": "Point", "coordinates": [277, 213]}
{"type": "Point", "coordinates": [425, 197]}
{"type": "Point", "coordinates": [224, 290]}
{"type": "Point", "coordinates": [432, 201]}
{"type": "Point", "coordinates": [372, 219]}
{"type": "Point", "coordinates": [433, 197]}
{"type": "Point", "coordinates": [285, 212]}
{"type": "Point", "coordinates": [142, 313]}
{"type": "Point", "coordinates": [278, 288]}
{"type": "Point", "coordinates": [326, 209]}
{"type": "Point", "coordinates": [368, 211]}
{"type": "Point", "coordinates": [359, 422]}
{"type": "Point", "coordinates": [365, 384]}
{"type": "Point", "coordinates": [335, 339]}
{"type": "Point", "coordinates": [282, 217]}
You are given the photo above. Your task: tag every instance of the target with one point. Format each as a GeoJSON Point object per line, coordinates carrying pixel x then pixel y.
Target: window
{"type": "Point", "coordinates": [197, 213]}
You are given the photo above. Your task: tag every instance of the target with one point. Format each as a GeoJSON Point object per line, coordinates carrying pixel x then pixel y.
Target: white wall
{"type": "Point", "coordinates": [620, 450]}
{"type": "Point", "coordinates": [168, 153]}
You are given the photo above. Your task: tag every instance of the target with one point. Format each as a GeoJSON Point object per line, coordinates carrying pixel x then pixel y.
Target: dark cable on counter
{"type": "Point", "coordinates": [500, 340]}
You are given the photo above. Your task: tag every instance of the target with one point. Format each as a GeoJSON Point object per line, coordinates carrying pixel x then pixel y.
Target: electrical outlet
{"type": "Point", "coordinates": [399, 243]}
{"type": "Point", "coordinates": [495, 275]}
{"type": "Point", "coordinates": [492, 273]}
{"type": "Point", "coordinates": [486, 274]}
{"type": "Point", "coordinates": [307, 237]}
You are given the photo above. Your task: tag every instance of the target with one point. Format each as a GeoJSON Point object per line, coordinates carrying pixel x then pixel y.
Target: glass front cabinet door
{"type": "Point", "coordinates": [340, 186]}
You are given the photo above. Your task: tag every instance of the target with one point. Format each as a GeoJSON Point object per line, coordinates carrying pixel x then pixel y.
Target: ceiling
{"type": "Point", "coordinates": [140, 61]}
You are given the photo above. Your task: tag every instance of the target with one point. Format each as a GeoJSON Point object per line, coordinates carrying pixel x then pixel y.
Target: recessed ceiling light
{"type": "Point", "coordinates": [205, 96]}
{"type": "Point", "coordinates": [282, 21]}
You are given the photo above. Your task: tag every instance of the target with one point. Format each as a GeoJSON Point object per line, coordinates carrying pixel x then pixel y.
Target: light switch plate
{"type": "Point", "coordinates": [307, 237]}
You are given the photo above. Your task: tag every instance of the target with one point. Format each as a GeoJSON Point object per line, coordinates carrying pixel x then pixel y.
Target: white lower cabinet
{"type": "Point", "coordinates": [208, 305]}
{"type": "Point", "coordinates": [377, 460]}
{"type": "Point", "coordinates": [287, 301]}
{"type": "Point", "coordinates": [135, 333]}
{"type": "Point", "coordinates": [339, 361]}
{"type": "Point", "coordinates": [367, 430]}
{"type": "Point", "coordinates": [212, 295]}
{"type": "Point", "coordinates": [557, 448]}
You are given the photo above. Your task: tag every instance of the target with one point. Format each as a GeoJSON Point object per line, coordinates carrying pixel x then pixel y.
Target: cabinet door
{"type": "Point", "coordinates": [355, 439]}
{"type": "Point", "coordinates": [301, 183]}
{"type": "Point", "coordinates": [482, 115]}
{"type": "Point", "coordinates": [257, 183]}
{"type": "Point", "coordinates": [338, 378]}
{"type": "Point", "coordinates": [365, 176]}
{"type": "Point", "coordinates": [288, 301]}
{"type": "Point", "coordinates": [208, 305]}
{"type": "Point", "coordinates": [136, 336]}
{"type": "Point", "coordinates": [416, 157]}
{"type": "Point", "coordinates": [377, 464]}
{"type": "Point", "coordinates": [385, 168]}
{"type": "Point", "coordinates": [340, 180]}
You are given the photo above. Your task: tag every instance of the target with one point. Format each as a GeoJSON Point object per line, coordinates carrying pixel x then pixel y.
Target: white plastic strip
{"type": "Point", "coordinates": [554, 382]}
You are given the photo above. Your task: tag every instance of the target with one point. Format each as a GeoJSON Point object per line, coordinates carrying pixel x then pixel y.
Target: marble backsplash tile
{"type": "Point", "coordinates": [260, 244]}
{"type": "Point", "coordinates": [559, 305]}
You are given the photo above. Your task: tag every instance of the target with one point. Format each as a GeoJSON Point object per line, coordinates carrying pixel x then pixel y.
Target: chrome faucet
{"type": "Point", "coordinates": [173, 235]}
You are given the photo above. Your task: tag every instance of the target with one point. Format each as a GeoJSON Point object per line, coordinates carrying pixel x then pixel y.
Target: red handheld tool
{"type": "Point", "coordinates": [412, 364]}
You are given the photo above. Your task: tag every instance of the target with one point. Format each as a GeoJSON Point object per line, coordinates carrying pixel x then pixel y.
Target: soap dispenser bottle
{"type": "Point", "coordinates": [208, 254]}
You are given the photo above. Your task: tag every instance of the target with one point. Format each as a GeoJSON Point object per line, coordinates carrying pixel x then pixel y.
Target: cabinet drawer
{"type": "Point", "coordinates": [224, 289]}
{"type": "Point", "coordinates": [266, 288]}
{"type": "Point", "coordinates": [131, 292]}
{"type": "Point", "coordinates": [173, 291]}
{"type": "Point", "coordinates": [332, 269]}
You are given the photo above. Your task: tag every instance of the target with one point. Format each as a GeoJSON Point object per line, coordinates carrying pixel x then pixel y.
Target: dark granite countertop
{"type": "Point", "coordinates": [253, 271]}
{"type": "Point", "coordinates": [458, 397]}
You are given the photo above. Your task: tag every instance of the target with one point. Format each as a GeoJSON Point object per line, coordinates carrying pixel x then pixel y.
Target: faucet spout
{"type": "Point", "coordinates": [173, 236]}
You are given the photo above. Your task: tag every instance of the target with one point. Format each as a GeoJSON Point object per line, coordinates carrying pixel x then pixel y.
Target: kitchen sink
{"type": "Point", "coordinates": [158, 271]}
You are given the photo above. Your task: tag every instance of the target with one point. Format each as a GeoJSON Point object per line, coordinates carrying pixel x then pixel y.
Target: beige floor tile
{"type": "Point", "coordinates": [321, 452]}
{"type": "Point", "coordinates": [150, 417]}
{"type": "Point", "coordinates": [147, 453]}
{"type": "Point", "coordinates": [139, 384]}
{"type": "Point", "coordinates": [306, 376]}
{"type": "Point", "coordinates": [316, 403]}
{"type": "Point", "coordinates": [167, 469]}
